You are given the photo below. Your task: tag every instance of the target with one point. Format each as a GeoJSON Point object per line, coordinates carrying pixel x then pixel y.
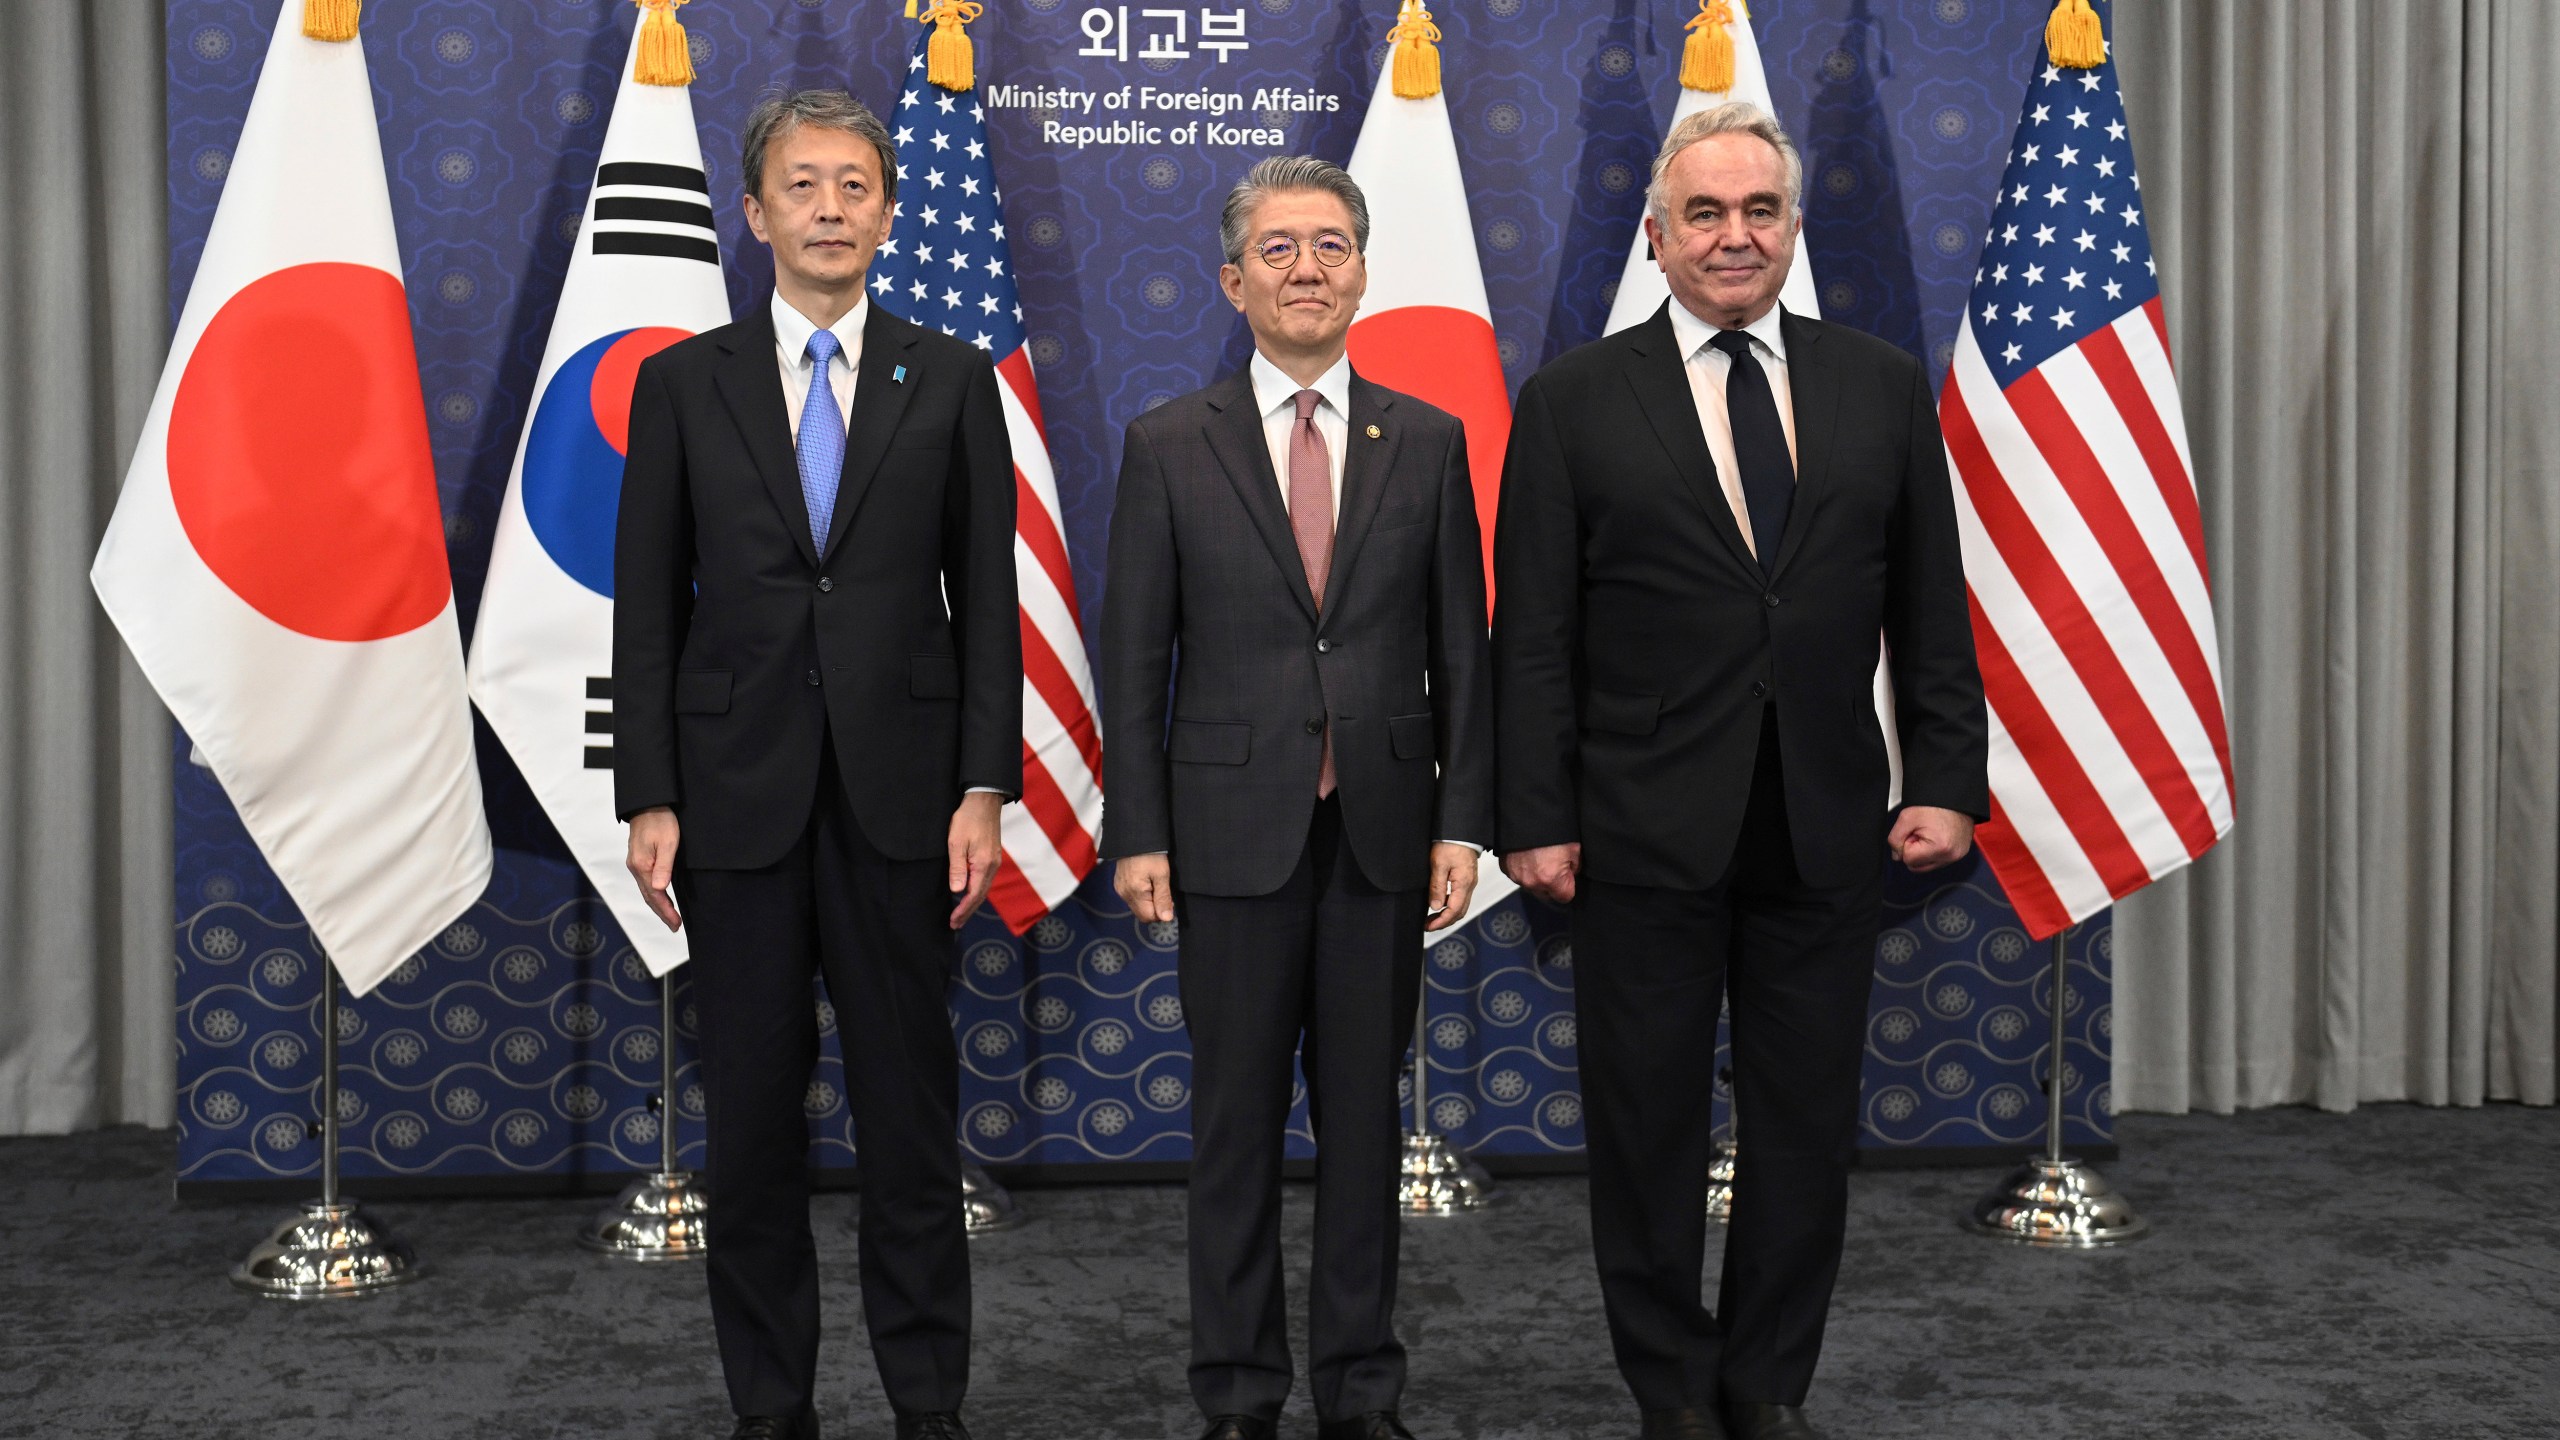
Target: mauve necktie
{"type": "Point", "coordinates": [1759, 447]}
{"type": "Point", "coordinates": [820, 442]}
{"type": "Point", "coordinates": [1311, 520]}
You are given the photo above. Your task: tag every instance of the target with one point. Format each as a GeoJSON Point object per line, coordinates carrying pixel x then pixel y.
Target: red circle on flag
{"type": "Point", "coordinates": [617, 370]}
{"type": "Point", "coordinates": [298, 456]}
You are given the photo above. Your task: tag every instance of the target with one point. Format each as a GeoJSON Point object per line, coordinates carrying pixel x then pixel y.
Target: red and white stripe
{"type": "Point", "coordinates": [1049, 837]}
{"type": "Point", "coordinates": [2092, 619]}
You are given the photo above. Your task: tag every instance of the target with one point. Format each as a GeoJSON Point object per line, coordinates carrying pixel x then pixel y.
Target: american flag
{"type": "Point", "coordinates": [946, 266]}
{"type": "Point", "coordinates": [2083, 546]}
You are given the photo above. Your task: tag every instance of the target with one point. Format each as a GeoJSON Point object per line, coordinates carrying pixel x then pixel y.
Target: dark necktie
{"type": "Point", "coordinates": [1759, 447]}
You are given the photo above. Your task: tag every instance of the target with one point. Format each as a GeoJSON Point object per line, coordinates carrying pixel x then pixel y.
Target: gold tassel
{"type": "Point", "coordinates": [330, 19]}
{"type": "Point", "coordinates": [664, 57]}
{"type": "Point", "coordinates": [950, 61]}
{"type": "Point", "coordinates": [2072, 36]}
{"type": "Point", "coordinates": [1417, 54]}
{"type": "Point", "coordinates": [911, 9]}
{"type": "Point", "coordinates": [1706, 62]}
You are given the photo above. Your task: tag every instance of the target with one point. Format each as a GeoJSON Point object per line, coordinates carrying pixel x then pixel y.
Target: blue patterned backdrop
{"type": "Point", "coordinates": [524, 1042]}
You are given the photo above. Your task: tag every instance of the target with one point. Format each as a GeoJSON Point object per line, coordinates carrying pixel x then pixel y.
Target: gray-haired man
{"type": "Point", "coordinates": [1295, 561]}
{"type": "Point", "coordinates": [818, 706]}
{"type": "Point", "coordinates": [1706, 521]}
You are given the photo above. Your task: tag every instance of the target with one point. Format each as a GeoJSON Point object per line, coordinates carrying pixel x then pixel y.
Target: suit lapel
{"type": "Point", "coordinates": [751, 385]}
{"type": "Point", "coordinates": [1814, 392]}
{"type": "Point", "coordinates": [1364, 480]}
{"type": "Point", "coordinates": [879, 400]}
{"type": "Point", "coordinates": [1661, 383]}
{"type": "Point", "coordinates": [1235, 436]}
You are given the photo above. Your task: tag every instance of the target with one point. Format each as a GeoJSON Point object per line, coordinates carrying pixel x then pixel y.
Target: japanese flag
{"type": "Point", "coordinates": [276, 562]}
{"type": "Point", "coordinates": [1425, 327]}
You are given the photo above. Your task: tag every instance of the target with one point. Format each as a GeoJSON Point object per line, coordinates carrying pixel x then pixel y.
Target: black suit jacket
{"type": "Point", "coordinates": [1203, 563]}
{"type": "Point", "coordinates": [1638, 644]}
{"type": "Point", "coordinates": [738, 642]}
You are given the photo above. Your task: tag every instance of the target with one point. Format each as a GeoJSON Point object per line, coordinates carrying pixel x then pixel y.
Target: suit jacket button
{"type": "Point", "coordinates": [1324, 647]}
{"type": "Point", "coordinates": [825, 584]}
{"type": "Point", "coordinates": [1316, 726]}
{"type": "Point", "coordinates": [1759, 688]}
{"type": "Point", "coordinates": [1770, 600]}
{"type": "Point", "coordinates": [813, 677]}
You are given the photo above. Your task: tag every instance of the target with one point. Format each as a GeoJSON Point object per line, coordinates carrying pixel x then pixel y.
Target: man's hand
{"type": "Point", "coordinates": [652, 861]}
{"type": "Point", "coordinates": [977, 849]}
{"type": "Point", "coordinates": [1145, 883]}
{"type": "Point", "coordinates": [1453, 884]}
{"type": "Point", "coordinates": [1547, 872]}
{"type": "Point", "coordinates": [1927, 838]}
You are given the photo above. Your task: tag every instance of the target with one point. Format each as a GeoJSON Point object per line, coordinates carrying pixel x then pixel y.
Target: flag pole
{"type": "Point", "coordinates": [330, 1249]}
{"type": "Point", "coordinates": [1437, 1177]}
{"type": "Point", "coordinates": [1720, 1154]}
{"type": "Point", "coordinates": [663, 1215]}
{"type": "Point", "coordinates": [2054, 1200]}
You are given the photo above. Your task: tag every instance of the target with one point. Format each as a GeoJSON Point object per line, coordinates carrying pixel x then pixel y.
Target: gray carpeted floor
{"type": "Point", "coordinates": [2391, 1273]}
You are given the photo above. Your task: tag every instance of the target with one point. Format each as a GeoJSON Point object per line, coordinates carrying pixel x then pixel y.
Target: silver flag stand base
{"type": "Point", "coordinates": [1439, 1179]}
{"type": "Point", "coordinates": [986, 1205]}
{"type": "Point", "coordinates": [2053, 1200]}
{"type": "Point", "coordinates": [330, 1251]}
{"type": "Point", "coordinates": [1720, 1184]}
{"type": "Point", "coordinates": [2057, 1202]}
{"type": "Point", "coordinates": [663, 1215]}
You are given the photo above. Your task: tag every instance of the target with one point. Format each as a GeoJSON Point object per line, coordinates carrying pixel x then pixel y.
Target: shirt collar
{"type": "Point", "coordinates": [791, 329]}
{"type": "Point", "coordinates": [1273, 390]}
{"type": "Point", "coordinates": [1693, 332]}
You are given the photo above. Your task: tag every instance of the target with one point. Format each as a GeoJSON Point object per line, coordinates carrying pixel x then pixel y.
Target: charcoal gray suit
{"type": "Point", "coordinates": [1301, 918]}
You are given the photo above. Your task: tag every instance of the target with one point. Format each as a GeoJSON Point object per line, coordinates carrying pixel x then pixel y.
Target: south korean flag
{"type": "Point", "coordinates": [645, 274]}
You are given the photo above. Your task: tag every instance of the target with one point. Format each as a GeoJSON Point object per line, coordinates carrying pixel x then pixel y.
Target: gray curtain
{"type": "Point", "coordinates": [2356, 208]}
{"type": "Point", "coordinates": [85, 922]}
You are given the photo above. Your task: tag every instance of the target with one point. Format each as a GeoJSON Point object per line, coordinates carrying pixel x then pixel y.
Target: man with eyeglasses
{"type": "Point", "coordinates": [1298, 709]}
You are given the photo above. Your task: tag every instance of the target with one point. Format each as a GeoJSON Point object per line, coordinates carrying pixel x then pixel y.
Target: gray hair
{"type": "Point", "coordinates": [1281, 173]}
{"type": "Point", "coordinates": [778, 114]}
{"type": "Point", "coordinates": [1738, 117]}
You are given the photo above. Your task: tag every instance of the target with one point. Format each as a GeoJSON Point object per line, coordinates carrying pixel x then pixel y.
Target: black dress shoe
{"type": "Point", "coordinates": [1240, 1427]}
{"type": "Point", "coordinates": [1756, 1420]}
{"type": "Point", "coordinates": [1376, 1425]}
{"type": "Point", "coordinates": [932, 1425]}
{"type": "Point", "coordinates": [803, 1426]}
{"type": "Point", "coordinates": [1682, 1425]}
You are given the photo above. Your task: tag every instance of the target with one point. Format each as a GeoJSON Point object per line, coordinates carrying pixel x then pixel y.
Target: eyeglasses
{"type": "Point", "coordinates": [1280, 251]}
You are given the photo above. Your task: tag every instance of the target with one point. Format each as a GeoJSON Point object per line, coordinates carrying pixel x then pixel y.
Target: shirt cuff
{"type": "Point", "coordinates": [1470, 844]}
{"type": "Point", "coordinates": [984, 790]}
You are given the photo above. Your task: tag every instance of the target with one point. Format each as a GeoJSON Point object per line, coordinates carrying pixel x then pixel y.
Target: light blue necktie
{"type": "Point", "coordinates": [820, 442]}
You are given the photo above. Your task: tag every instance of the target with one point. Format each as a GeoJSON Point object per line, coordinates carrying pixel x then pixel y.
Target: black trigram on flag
{"type": "Point", "coordinates": [600, 722]}
{"type": "Point", "coordinates": [650, 209]}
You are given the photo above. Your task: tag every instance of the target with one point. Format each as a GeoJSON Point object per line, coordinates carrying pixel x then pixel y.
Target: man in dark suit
{"type": "Point", "coordinates": [818, 675]}
{"type": "Point", "coordinates": [1294, 555]}
{"type": "Point", "coordinates": [1706, 520]}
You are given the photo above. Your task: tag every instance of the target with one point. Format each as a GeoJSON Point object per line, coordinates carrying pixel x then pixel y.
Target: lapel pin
{"type": "Point", "coordinates": [1375, 432]}
{"type": "Point", "coordinates": [898, 376]}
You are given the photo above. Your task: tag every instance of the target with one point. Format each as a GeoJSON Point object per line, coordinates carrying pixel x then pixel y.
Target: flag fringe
{"type": "Point", "coordinates": [664, 57]}
{"type": "Point", "coordinates": [950, 61]}
{"type": "Point", "coordinates": [1706, 62]}
{"type": "Point", "coordinates": [330, 19]}
{"type": "Point", "coordinates": [1416, 72]}
{"type": "Point", "coordinates": [2073, 37]}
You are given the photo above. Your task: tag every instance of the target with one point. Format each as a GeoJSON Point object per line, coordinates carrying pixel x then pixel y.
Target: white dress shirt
{"type": "Point", "coordinates": [1276, 396]}
{"type": "Point", "coordinates": [1708, 367]}
{"type": "Point", "coordinates": [791, 332]}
